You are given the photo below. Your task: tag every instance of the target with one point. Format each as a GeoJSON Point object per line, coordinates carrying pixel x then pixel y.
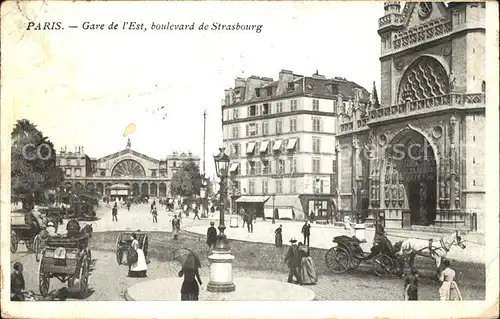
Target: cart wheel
{"type": "Point", "coordinates": [118, 251]}
{"type": "Point", "coordinates": [89, 253]}
{"type": "Point", "coordinates": [337, 259]}
{"type": "Point", "coordinates": [43, 280]}
{"type": "Point", "coordinates": [37, 246]}
{"type": "Point", "coordinates": [383, 265]}
{"type": "Point", "coordinates": [29, 245]}
{"type": "Point", "coordinates": [14, 242]}
{"type": "Point", "coordinates": [83, 277]}
{"type": "Point", "coordinates": [145, 246]}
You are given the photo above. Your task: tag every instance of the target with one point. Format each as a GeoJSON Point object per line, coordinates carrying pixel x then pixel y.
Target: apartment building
{"type": "Point", "coordinates": [280, 136]}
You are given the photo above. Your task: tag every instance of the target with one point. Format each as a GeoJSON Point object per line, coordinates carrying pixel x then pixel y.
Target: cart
{"type": "Point", "coordinates": [22, 230]}
{"type": "Point", "coordinates": [68, 260]}
{"type": "Point", "coordinates": [124, 244]}
{"type": "Point", "coordinates": [348, 254]}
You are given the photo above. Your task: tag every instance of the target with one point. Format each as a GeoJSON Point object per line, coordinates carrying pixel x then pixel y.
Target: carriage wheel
{"type": "Point", "coordinates": [383, 265]}
{"type": "Point", "coordinates": [118, 251]}
{"type": "Point", "coordinates": [43, 280]}
{"type": "Point", "coordinates": [29, 245]}
{"type": "Point", "coordinates": [145, 246]}
{"type": "Point", "coordinates": [83, 277]}
{"type": "Point", "coordinates": [14, 242]}
{"type": "Point", "coordinates": [37, 246]}
{"type": "Point", "coordinates": [337, 259]}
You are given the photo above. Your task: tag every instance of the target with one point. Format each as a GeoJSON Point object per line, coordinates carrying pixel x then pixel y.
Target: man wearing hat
{"type": "Point", "coordinates": [291, 260]}
{"type": "Point", "coordinates": [211, 236]}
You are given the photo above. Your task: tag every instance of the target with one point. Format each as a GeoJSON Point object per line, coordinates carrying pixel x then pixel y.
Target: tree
{"type": "Point", "coordinates": [186, 182]}
{"type": "Point", "coordinates": [33, 164]}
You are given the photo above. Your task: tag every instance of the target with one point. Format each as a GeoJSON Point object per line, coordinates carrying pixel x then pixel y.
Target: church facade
{"type": "Point", "coordinates": [145, 175]}
{"type": "Point", "coordinates": [416, 156]}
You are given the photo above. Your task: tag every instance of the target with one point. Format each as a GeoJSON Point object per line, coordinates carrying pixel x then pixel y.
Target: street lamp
{"type": "Point", "coordinates": [221, 277]}
{"type": "Point", "coordinates": [359, 185]}
{"type": "Point", "coordinates": [203, 193]}
{"type": "Point", "coordinates": [274, 213]}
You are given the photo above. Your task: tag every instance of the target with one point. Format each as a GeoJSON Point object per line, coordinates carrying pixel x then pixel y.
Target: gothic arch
{"type": "Point", "coordinates": [426, 77]}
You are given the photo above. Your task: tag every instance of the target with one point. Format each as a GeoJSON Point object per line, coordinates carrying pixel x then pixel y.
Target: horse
{"type": "Point", "coordinates": [437, 249]}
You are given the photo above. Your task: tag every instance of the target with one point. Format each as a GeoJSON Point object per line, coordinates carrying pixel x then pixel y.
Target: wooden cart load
{"type": "Point", "coordinates": [67, 259]}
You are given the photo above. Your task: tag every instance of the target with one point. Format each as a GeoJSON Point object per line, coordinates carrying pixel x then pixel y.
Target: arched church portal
{"type": "Point", "coordinates": [410, 177]}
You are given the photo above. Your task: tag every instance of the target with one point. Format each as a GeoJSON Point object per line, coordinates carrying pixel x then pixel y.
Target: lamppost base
{"type": "Point", "coordinates": [221, 271]}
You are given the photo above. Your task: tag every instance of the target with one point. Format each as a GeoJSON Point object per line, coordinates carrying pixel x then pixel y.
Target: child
{"type": "Point", "coordinates": [411, 285]}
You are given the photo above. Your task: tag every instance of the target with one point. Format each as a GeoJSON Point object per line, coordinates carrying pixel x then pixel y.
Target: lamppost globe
{"type": "Point", "coordinates": [221, 163]}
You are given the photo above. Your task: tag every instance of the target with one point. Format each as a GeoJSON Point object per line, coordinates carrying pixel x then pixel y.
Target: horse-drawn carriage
{"type": "Point", "coordinates": [67, 259]}
{"type": "Point", "coordinates": [81, 210]}
{"type": "Point", "coordinates": [24, 230]}
{"type": "Point", "coordinates": [387, 259]}
{"type": "Point", "coordinates": [124, 245]}
{"type": "Point", "coordinates": [347, 253]}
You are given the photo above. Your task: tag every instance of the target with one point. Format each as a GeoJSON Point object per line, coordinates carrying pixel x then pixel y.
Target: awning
{"type": "Point", "coordinates": [291, 143]}
{"type": "Point", "coordinates": [234, 167]}
{"type": "Point", "coordinates": [263, 146]}
{"type": "Point", "coordinates": [277, 145]}
{"type": "Point", "coordinates": [252, 199]}
{"type": "Point", "coordinates": [250, 147]}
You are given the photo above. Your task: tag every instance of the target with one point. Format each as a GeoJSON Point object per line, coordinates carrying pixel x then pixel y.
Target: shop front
{"type": "Point", "coordinates": [251, 204]}
{"type": "Point", "coordinates": [322, 206]}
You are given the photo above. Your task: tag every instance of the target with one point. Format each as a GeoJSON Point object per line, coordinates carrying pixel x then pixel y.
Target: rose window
{"type": "Point", "coordinates": [128, 168]}
{"type": "Point", "coordinates": [425, 78]}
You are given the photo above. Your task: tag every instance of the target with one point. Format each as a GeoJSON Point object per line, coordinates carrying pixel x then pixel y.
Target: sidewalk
{"type": "Point", "coordinates": [322, 236]}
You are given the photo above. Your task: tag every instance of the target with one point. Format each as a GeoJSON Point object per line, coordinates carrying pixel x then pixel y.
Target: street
{"type": "Point", "coordinates": [108, 280]}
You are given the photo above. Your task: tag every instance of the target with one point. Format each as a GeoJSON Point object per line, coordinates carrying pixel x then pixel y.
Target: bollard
{"type": "Point", "coordinates": [233, 222]}
{"type": "Point", "coordinates": [360, 232]}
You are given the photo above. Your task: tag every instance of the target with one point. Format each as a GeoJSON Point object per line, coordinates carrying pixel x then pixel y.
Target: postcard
{"type": "Point", "coordinates": [259, 159]}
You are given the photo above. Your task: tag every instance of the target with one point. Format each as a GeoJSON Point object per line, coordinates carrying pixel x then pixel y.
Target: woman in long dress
{"type": "Point", "coordinates": [449, 289]}
{"type": "Point", "coordinates": [190, 289]}
{"type": "Point", "coordinates": [307, 271]}
{"type": "Point", "coordinates": [139, 268]}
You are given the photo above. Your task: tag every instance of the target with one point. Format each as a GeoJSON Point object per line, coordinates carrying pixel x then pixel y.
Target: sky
{"type": "Point", "coordinates": [83, 87]}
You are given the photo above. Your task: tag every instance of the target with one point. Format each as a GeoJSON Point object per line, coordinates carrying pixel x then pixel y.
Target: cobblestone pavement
{"type": "Point", "coordinates": [108, 280]}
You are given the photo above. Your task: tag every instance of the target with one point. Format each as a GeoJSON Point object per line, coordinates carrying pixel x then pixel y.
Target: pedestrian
{"type": "Point", "coordinates": [306, 231]}
{"type": "Point", "coordinates": [128, 205]}
{"type": "Point", "coordinates": [244, 216]}
{"type": "Point", "coordinates": [155, 215]}
{"type": "Point", "coordinates": [17, 284]}
{"type": "Point", "coordinates": [411, 285]}
{"type": "Point", "coordinates": [307, 271]}
{"type": "Point", "coordinates": [190, 289]}
{"type": "Point", "coordinates": [195, 211]}
{"type": "Point", "coordinates": [311, 216]}
{"type": "Point", "coordinates": [278, 236]}
{"type": "Point", "coordinates": [250, 223]}
{"type": "Point", "coordinates": [153, 205]}
{"type": "Point", "coordinates": [212, 209]}
{"type": "Point", "coordinates": [347, 222]}
{"type": "Point", "coordinates": [114, 212]}
{"type": "Point", "coordinates": [291, 261]}
{"type": "Point", "coordinates": [176, 227]}
{"type": "Point", "coordinates": [139, 267]}
{"type": "Point", "coordinates": [449, 288]}
{"type": "Point", "coordinates": [211, 236]}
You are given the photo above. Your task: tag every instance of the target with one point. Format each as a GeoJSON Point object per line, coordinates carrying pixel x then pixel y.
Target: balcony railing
{"type": "Point", "coordinates": [452, 100]}
{"type": "Point", "coordinates": [393, 18]}
{"type": "Point", "coordinates": [448, 101]}
{"type": "Point", "coordinates": [423, 33]}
